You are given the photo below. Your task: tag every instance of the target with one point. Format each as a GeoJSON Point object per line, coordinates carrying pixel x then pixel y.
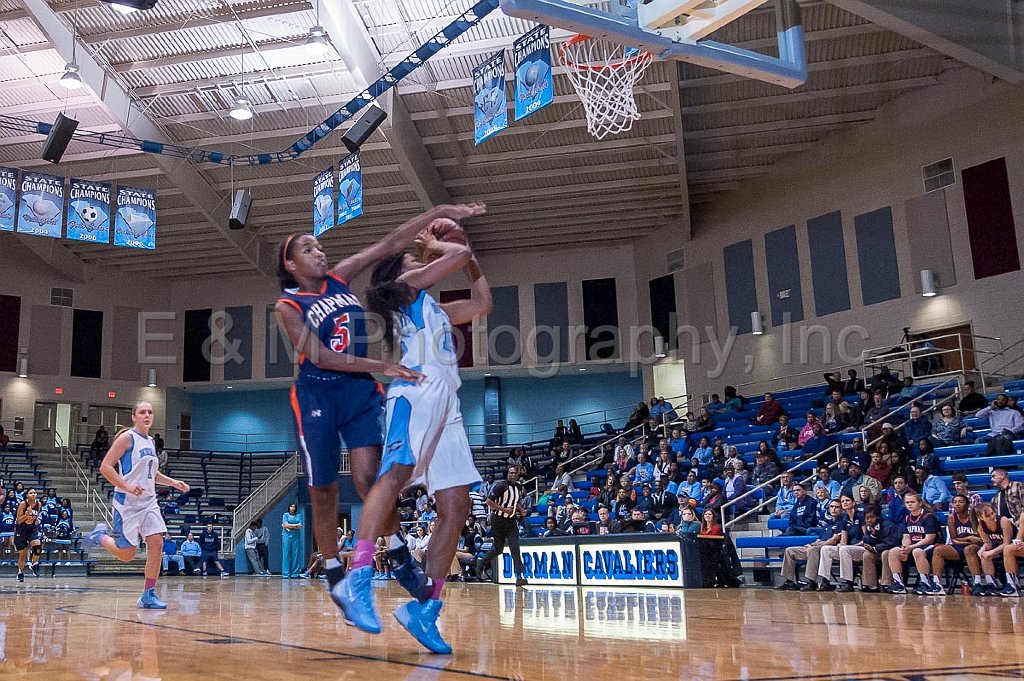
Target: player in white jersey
{"type": "Point", "coordinates": [136, 512]}
{"type": "Point", "coordinates": [426, 442]}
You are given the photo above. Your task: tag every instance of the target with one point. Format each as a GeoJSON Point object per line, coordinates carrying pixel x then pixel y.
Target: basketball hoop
{"type": "Point", "coordinates": [604, 74]}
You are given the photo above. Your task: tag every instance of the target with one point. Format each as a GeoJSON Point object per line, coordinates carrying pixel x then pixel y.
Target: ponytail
{"type": "Point", "coordinates": [386, 295]}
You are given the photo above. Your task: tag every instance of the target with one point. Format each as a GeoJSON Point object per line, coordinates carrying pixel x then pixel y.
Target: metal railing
{"type": "Point", "coordinates": [968, 346]}
{"type": "Point", "coordinates": [541, 429]}
{"type": "Point", "coordinates": [836, 448]}
{"type": "Point", "coordinates": [95, 503]}
{"type": "Point", "coordinates": [263, 496]}
{"type": "Point", "coordinates": [586, 458]}
{"type": "Point", "coordinates": [1000, 370]}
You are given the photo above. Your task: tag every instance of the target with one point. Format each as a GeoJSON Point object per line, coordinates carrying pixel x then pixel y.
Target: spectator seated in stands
{"type": "Point", "coordinates": [769, 412]}
{"type": "Point", "coordinates": [897, 445]}
{"type": "Point", "coordinates": [691, 486]}
{"type": "Point", "coordinates": [824, 479]}
{"type": "Point", "coordinates": [551, 528]}
{"type": "Point", "coordinates": [925, 456]}
{"type": "Point", "coordinates": [803, 515]}
{"type": "Point", "coordinates": [664, 465]}
{"type": "Point", "coordinates": [192, 552]}
{"type": "Point", "coordinates": [662, 502]}
{"type": "Point", "coordinates": [963, 488]}
{"type": "Point", "coordinates": [716, 405]}
{"type": "Point", "coordinates": [935, 495]}
{"type": "Point", "coordinates": [171, 555]}
{"type": "Point", "coordinates": [703, 454]}
{"type": "Point", "coordinates": [856, 452]}
{"type": "Point", "coordinates": [821, 502]}
{"type": "Point", "coordinates": [818, 442]}
{"type": "Point", "coordinates": [948, 430]}
{"type": "Point", "coordinates": [688, 525]}
{"type": "Point", "coordinates": [909, 392]}
{"type": "Point", "coordinates": [733, 400]}
{"type": "Point", "coordinates": [830, 535]}
{"type": "Point", "coordinates": [210, 543]}
{"type": "Point", "coordinates": [1005, 425]}
{"type": "Point", "coordinates": [559, 435]}
{"type": "Point", "coordinates": [858, 479]}
{"type": "Point", "coordinates": [643, 472]}
{"type": "Point", "coordinates": [704, 421]}
{"type": "Point", "coordinates": [622, 506]}
{"type": "Point", "coordinates": [785, 498]}
{"type": "Point", "coordinates": [881, 465]}
{"type": "Point", "coordinates": [715, 497]}
{"type": "Point", "coordinates": [885, 382]}
{"type": "Point", "coordinates": [64, 532]}
{"type": "Point", "coordinates": [573, 434]}
{"type": "Point", "coordinates": [710, 525]}
{"type": "Point", "coordinates": [635, 523]}
{"type": "Point", "coordinates": [917, 427]}
{"type": "Point", "coordinates": [764, 470]}
{"type": "Point", "coordinates": [100, 444]}
{"type": "Point", "coordinates": [654, 431]}
{"type": "Point", "coordinates": [895, 509]}
{"type": "Point", "coordinates": [562, 478]}
{"type": "Point", "coordinates": [19, 492]}
{"type": "Point", "coordinates": [971, 401]}
{"type": "Point", "coordinates": [786, 436]}
{"type": "Point", "coordinates": [807, 432]}
{"type": "Point", "coordinates": [735, 487]}
{"type": "Point", "coordinates": [875, 413]}
{"type": "Point", "coordinates": [518, 457]}
{"type": "Point", "coordinates": [643, 500]}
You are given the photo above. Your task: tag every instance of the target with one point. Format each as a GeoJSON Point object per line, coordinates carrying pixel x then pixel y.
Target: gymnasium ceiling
{"type": "Point", "coordinates": [547, 182]}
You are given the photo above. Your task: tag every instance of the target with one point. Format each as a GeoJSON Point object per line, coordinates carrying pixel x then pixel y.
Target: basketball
{"type": "Point", "coordinates": [444, 229]}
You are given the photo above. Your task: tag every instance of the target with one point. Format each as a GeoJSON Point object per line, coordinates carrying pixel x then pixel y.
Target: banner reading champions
{"type": "Point", "coordinates": [323, 201]}
{"type": "Point", "coordinates": [42, 205]}
{"type": "Point", "coordinates": [350, 189]}
{"type": "Point", "coordinates": [89, 214]}
{"type": "Point", "coordinates": [8, 198]}
{"type": "Point", "coordinates": [531, 55]}
{"type": "Point", "coordinates": [135, 218]}
{"type": "Point", "coordinates": [490, 112]}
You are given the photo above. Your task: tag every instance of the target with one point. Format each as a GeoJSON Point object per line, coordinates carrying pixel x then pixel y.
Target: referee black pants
{"type": "Point", "coordinates": [505, 531]}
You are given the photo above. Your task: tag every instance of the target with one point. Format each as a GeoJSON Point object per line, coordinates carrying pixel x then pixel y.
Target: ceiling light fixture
{"type": "Point", "coordinates": [71, 80]}
{"type": "Point", "coordinates": [130, 6]}
{"type": "Point", "coordinates": [316, 43]}
{"type": "Point", "coordinates": [242, 110]}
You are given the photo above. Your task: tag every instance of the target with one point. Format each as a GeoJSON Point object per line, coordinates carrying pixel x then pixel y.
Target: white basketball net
{"type": "Point", "coordinates": [604, 74]}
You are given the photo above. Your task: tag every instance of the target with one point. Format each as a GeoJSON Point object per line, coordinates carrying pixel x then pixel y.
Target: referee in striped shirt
{"type": "Point", "coordinates": [504, 504]}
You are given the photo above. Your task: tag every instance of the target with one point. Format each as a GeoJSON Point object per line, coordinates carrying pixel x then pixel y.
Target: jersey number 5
{"type": "Point", "coordinates": [339, 337]}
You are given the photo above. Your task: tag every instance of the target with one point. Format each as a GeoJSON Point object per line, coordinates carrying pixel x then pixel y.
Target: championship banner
{"type": "Point", "coordinates": [531, 55]}
{"type": "Point", "coordinates": [323, 201]}
{"type": "Point", "coordinates": [8, 198]}
{"type": "Point", "coordinates": [89, 214]}
{"type": "Point", "coordinates": [350, 189]}
{"type": "Point", "coordinates": [42, 205]}
{"type": "Point", "coordinates": [135, 218]}
{"type": "Point", "coordinates": [490, 112]}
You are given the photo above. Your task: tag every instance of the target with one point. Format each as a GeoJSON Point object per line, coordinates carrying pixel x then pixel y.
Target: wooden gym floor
{"type": "Point", "coordinates": [252, 629]}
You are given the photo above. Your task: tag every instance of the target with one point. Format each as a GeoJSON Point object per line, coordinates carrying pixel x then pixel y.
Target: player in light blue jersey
{"type": "Point", "coordinates": [426, 442]}
{"type": "Point", "coordinates": [136, 512]}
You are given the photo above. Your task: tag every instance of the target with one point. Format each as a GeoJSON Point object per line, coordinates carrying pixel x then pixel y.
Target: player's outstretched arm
{"type": "Point", "coordinates": [107, 470]}
{"type": "Point", "coordinates": [402, 237]}
{"type": "Point", "coordinates": [289, 320]}
{"type": "Point", "coordinates": [479, 303]}
{"type": "Point", "coordinates": [454, 256]}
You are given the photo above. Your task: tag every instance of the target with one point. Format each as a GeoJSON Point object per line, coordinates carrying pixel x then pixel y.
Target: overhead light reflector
{"type": "Point", "coordinates": [317, 42]}
{"type": "Point", "coordinates": [241, 111]}
{"type": "Point", "coordinates": [71, 80]}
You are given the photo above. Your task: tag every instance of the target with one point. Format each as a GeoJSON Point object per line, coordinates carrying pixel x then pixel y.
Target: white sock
{"type": "Point", "coordinates": [936, 581]}
{"type": "Point", "coordinates": [989, 579]}
{"type": "Point", "coordinates": [898, 579]}
{"type": "Point", "coordinates": [977, 579]}
{"type": "Point", "coordinates": [332, 563]}
{"type": "Point", "coordinates": [395, 541]}
{"type": "Point", "coordinates": [1011, 579]}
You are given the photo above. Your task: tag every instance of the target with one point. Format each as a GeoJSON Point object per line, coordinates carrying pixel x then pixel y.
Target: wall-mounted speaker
{"type": "Point", "coordinates": [363, 128]}
{"type": "Point", "coordinates": [59, 138]}
{"type": "Point", "coordinates": [240, 209]}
